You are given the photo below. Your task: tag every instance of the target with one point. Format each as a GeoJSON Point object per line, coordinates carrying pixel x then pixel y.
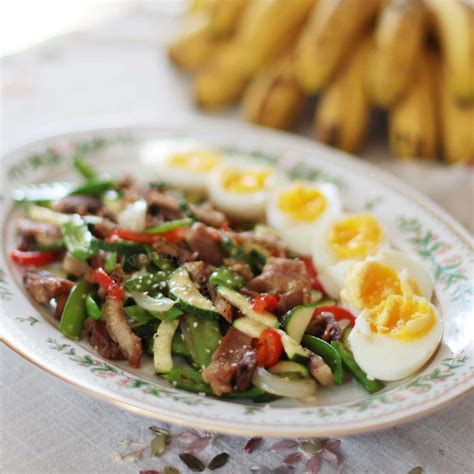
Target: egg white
{"type": "Point", "coordinates": [386, 358]}
{"type": "Point", "coordinates": [154, 156]}
{"type": "Point", "coordinates": [296, 234]}
{"type": "Point", "coordinates": [240, 205]}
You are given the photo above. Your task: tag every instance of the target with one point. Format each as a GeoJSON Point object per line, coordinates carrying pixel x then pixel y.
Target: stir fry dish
{"type": "Point", "coordinates": [237, 282]}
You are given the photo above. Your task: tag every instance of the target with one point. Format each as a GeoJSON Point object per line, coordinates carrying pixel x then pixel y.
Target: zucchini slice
{"type": "Point", "coordinates": [287, 367]}
{"type": "Point", "coordinates": [293, 350]}
{"type": "Point", "coordinates": [248, 326]}
{"type": "Point", "coordinates": [188, 297]}
{"type": "Point", "coordinates": [162, 343]}
{"type": "Point", "coordinates": [296, 320]}
{"type": "Point", "coordinates": [241, 302]}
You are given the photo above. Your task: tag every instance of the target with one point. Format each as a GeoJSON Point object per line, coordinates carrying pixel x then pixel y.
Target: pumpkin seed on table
{"type": "Point", "coordinates": [193, 463]}
{"type": "Point", "coordinates": [218, 461]}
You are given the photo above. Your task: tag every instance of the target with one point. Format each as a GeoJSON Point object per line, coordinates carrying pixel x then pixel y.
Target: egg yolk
{"type": "Point", "coordinates": [369, 284]}
{"type": "Point", "coordinates": [244, 182]}
{"type": "Point", "coordinates": [303, 203]}
{"type": "Point", "coordinates": [403, 317]}
{"type": "Point", "coordinates": [355, 237]}
{"type": "Point", "coordinates": [195, 160]}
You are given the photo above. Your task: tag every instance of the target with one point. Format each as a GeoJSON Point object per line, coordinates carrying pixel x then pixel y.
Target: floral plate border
{"type": "Point", "coordinates": [417, 224]}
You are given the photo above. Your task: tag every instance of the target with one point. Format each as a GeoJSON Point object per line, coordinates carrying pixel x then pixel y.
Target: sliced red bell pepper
{"type": "Point", "coordinates": [265, 301]}
{"type": "Point", "coordinates": [35, 258]}
{"type": "Point", "coordinates": [338, 313]}
{"type": "Point", "coordinates": [175, 235]}
{"type": "Point", "coordinates": [113, 289]}
{"type": "Point", "coordinates": [269, 348]}
{"type": "Point", "coordinates": [313, 275]}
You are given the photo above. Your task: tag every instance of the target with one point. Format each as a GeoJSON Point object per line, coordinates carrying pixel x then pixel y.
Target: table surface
{"type": "Point", "coordinates": [47, 426]}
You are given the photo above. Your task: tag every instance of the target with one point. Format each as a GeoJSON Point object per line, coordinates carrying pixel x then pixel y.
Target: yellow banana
{"type": "Point", "coordinates": [223, 79]}
{"type": "Point", "coordinates": [333, 28]}
{"type": "Point", "coordinates": [266, 29]}
{"type": "Point", "coordinates": [224, 16]}
{"type": "Point", "coordinates": [399, 39]}
{"type": "Point", "coordinates": [457, 125]}
{"type": "Point", "coordinates": [343, 110]}
{"type": "Point", "coordinates": [192, 50]}
{"type": "Point", "coordinates": [274, 97]}
{"type": "Point", "coordinates": [413, 120]}
{"type": "Point", "coordinates": [454, 21]}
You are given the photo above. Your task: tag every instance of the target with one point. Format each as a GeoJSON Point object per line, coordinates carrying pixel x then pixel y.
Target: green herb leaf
{"type": "Point", "coordinates": [218, 461]}
{"type": "Point", "coordinates": [194, 464]}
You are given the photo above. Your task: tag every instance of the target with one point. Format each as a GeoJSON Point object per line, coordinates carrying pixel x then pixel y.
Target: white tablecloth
{"type": "Point", "coordinates": [47, 426]}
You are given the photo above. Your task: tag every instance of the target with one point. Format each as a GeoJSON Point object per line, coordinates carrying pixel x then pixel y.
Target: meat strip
{"type": "Point", "coordinates": [208, 215]}
{"type": "Point", "coordinates": [325, 326]}
{"type": "Point", "coordinates": [121, 333]}
{"type": "Point", "coordinates": [203, 241]}
{"type": "Point", "coordinates": [239, 267]}
{"type": "Point", "coordinates": [101, 341]}
{"type": "Point", "coordinates": [286, 277]}
{"type": "Point", "coordinates": [78, 205]}
{"type": "Point", "coordinates": [168, 250]}
{"type": "Point", "coordinates": [43, 286]}
{"type": "Point", "coordinates": [233, 364]}
{"type": "Point", "coordinates": [270, 244]}
{"type": "Point", "coordinates": [33, 232]}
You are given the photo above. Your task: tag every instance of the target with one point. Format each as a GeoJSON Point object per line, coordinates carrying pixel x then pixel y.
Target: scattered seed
{"type": "Point", "coordinates": [253, 444]}
{"type": "Point", "coordinates": [218, 461]}
{"type": "Point", "coordinates": [330, 456]}
{"type": "Point", "coordinates": [260, 470]}
{"type": "Point", "coordinates": [283, 469]}
{"type": "Point", "coordinates": [158, 445]}
{"type": "Point", "coordinates": [157, 430]}
{"type": "Point", "coordinates": [310, 447]}
{"type": "Point", "coordinates": [199, 444]}
{"type": "Point", "coordinates": [194, 464]}
{"type": "Point", "coordinates": [293, 458]}
{"type": "Point", "coordinates": [332, 444]}
{"type": "Point", "coordinates": [416, 470]}
{"type": "Point", "coordinates": [187, 437]}
{"type": "Point", "coordinates": [170, 470]}
{"type": "Point", "coordinates": [313, 465]}
{"type": "Point", "coordinates": [284, 444]}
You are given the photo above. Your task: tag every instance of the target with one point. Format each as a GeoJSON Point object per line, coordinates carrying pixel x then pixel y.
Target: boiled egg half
{"type": "Point", "coordinates": [185, 165]}
{"type": "Point", "coordinates": [299, 210]}
{"type": "Point", "coordinates": [397, 337]}
{"type": "Point", "coordinates": [240, 189]}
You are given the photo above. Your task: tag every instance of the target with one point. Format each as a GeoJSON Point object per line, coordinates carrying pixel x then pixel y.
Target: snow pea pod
{"type": "Point", "coordinates": [85, 169]}
{"type": "Point", "coordinates": [74, 314]}
{"type": "Point", "coordinates": [171, 225]}
{"type": "Point", "coordinates": [92, 308]}
{"type": "Point", "coordinates": [146, 283]}
{"type": "Point", "coordinates": [77, 238]}
{"type": "Point", "coordinates": [371, 385]}
{"type": "Point", "coordinates": [225, 276]}
{"type": "Point", "coordinates": [329, 354]}
{"type": "Point", "coordinates": [93, 187]}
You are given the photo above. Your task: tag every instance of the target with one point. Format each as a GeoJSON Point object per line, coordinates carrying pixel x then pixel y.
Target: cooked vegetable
{"type": "Point", "coordinates": [320, 370]}
{"type": "Point", "coordinates": [249, 326]}
{"type": "Point", "coordinates": [111, 262]}
{"type": "Point", "coordinates": [92, 308]}
{"type": "Point", "coordinates": [226, 277]}
{"type": "Point", "coordinates": [293, 350]}
{"type": "Point", "coordinates": [133, 217]}
{"type": "Point", "coordinates": [205, 336]}
{"type": "Point", "coordinates": [269, 348]}
{"type": "Point", "coordinates": [78, 238]}
{"type": "Point", "coordinates": [172, 225]}
{"type": "Point", "coordinates": [159, 304]}
{"type": "Point", "coordinates": [328, 352]}
{"type": "Point", "coordinates": [339, 313]}
{"type": "Point", "coordinates": [188, 297]}
{"type": "Point", "coordinates": [93, 187]}
{"type": "Point", "coordinates": [87, 172]}
{"type": "Point", "coordinates": [265, 301]}
{"type": "Point", "coordinates": [245, 306]}
{"type": "Point", "coordinates": [371, 385]}
{"type": "Point", "coordinates": [113, 289]}
{"type": "Point", "coordinates": [162, 360]}
{"type": "Point", "coordinates": [74, 314]}
{"type": "Point", "coordinates": [119, 247]}
{"type": "Point", "coordinates": [41, 193]}
{"type": "Point", "coordinates": [284, 387]}
{"type": "Point", "coordinates": [35, 258]}
{"type": "Point", "coordinates": [145, 283]}
{"type": "Point", "coordinates": [297, 319]}
{"type": "Point", "coordinates": [288, 368]}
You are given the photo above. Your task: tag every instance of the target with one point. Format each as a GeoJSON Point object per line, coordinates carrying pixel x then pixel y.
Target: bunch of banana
{"type": "Point", "coordinates": [399, 37]}
{"type": "Point", "coordinates": [414, 58]}
{"type": "Point", "coordinates": [343, 111]}
{"type": "Point", "coordinates": [413, 127]}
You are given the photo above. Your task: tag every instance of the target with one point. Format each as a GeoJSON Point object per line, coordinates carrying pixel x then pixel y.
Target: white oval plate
{"type": "Point", "coordinates": [413, 222]}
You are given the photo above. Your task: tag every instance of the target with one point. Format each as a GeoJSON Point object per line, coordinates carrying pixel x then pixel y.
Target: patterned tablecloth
{"type": "Point", "coordinates": [120, 70]}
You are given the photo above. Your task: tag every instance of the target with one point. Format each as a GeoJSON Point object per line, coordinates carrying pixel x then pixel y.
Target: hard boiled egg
{"type": "Point", "coordinates": [299, 210]}
{"type": "Point", "coordinates": [368, 283]}
{"type": "Point", "coordinates": [397, 337]}
{"type": "Point", "coordinates": [348, 237]}
{"type": "Point", "coordinates": [185, 165]}
{"type": "Point", "coordinates": [240, 188]}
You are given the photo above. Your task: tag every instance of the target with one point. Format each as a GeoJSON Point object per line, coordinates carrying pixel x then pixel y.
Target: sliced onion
{"type": "Point", "coordinates": [284, 387]}
{"type": "Point", "coordinates": [133, 217]}
{"type": "Point", "coordinates": [158, 305]}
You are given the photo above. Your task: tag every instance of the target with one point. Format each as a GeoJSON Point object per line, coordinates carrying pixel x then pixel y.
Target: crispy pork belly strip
{"type": "Point", "coordinates": [43, 286]}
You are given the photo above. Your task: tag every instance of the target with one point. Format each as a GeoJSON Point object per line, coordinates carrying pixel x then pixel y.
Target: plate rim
{"type": "Point", "coordinates": [202, 125]}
